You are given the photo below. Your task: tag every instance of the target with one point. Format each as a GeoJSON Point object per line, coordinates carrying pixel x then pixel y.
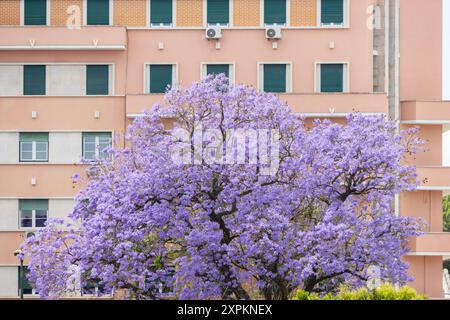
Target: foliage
{"type": "Point", "coordinates": [384, 292]}
{"type": "Point", "coordinates": [446, 209]}
{"type": "Point", "coordinates": [316, 215]}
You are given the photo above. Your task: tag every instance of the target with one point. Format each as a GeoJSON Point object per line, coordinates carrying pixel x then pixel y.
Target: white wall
{"type": "Point", "coordinates": [60, 208]}
{"type": "Point", "coordinates": [9, 214]}
{"type": "Point", "coordinates": [65, 147]}
{"type": "Point", "coordinates": [11, 80]}
{"type": "Point", "coordinates": [446, 50]}
{"type": "Point", "coordinates": [9, 147]}
{"type": "Point", "coordinates": [9, 280]}
{"type": "Point", "coordinates": [66, 80]}
{"type": "Point", "coordinates": [446, 145]}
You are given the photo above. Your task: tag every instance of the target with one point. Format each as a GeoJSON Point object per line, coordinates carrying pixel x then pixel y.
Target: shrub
{"type": "Point", "coordinates": [384, 292]}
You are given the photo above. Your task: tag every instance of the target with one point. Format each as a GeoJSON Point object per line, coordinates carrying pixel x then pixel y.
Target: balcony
{"type": "Point", "coordinates": [50, 180]}
{"type": "Point", "coordinates": [434, 178]}
{"type": "Point", "coordinates": [425, 112]}
{"type": "Point", "coordinates": [62, 113]}
{"type": "Point", "coordinates": [430, 244]}
{"type": "Point", "coordinates": [63, 38]}
{"type": "Point", "coordinates": [309, 105]}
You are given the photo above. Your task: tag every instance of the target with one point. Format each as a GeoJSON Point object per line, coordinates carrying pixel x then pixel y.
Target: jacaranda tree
{"type": "Point", "coordinates": [224, 192]}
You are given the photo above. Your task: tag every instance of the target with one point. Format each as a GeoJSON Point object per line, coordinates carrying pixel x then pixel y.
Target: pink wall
{"type": "Point", "coordinates": [52, 180]}
{"type": "Point", "coordinates": [427, 272]}
{"type": "Point", "coordinates": [426, 205]}
{"type": "Point", "coordinates": [432, 134]}
{"type": "Point", "coordinates": [62, 113]}
{"type": "Point", "coordinates": [421, 50]}
{"type": "Point", "coordinates": [246, 47]}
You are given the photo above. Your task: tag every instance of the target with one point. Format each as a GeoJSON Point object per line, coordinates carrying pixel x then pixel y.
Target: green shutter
{"type": "Point", "coordinates": [33, 80]}
{"type": "Point", "coordinates": [26, 285]}
{"type": "Point", "coordinates": [35, 12]}
{"type": "Point", "coordinates": [275, 78]}
{"type": "Point", "coordinates": [274, 11]}
{"type": "Point", "coordinates": [97, 79]}
{"type": "Point", "coordinates": [97, 134]}
{"type": "Point", "coordinates": [160, 77]}
{"type": "Point", "coordinates": [331, 78]}
{"type": "Point", "coordinates": [98, 12]}
{"type": "Point", "coordinates": [218, 69]}
{"type": "Point", "coordinates": [218, 11]}
{"type": "Point", "coordinates": [332, 11]}
{"type": "Point", "coordinates": [161, 11]}
{"type": "Point", "coordinates": [33, 136]}
{"type": "Point", "coordinates": [34, 204]}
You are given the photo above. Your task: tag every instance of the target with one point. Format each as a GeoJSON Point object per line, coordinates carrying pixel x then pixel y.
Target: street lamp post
{"type": "Point", "coordinates": [17, 253]}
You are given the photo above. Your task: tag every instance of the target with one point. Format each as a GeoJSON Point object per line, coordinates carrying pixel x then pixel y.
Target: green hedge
{"type": "Point", "coordinates": [384, 292]}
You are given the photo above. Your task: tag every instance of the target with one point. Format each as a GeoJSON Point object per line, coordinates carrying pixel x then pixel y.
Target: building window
{"type": "Point", "coordinates": [33, 213]}
{"type": "Point", "coordinates": [332, 12]}
{"type": "Point", "coordinates": [97, 79]}
{"type": "Point", "coordinates": [216, 69]}
{"type": "Point", "coordinates": [97, 12]}
{"type": "Point", "coordinates": [332, 77]}
{"type": "Point", "coordinates": [35, 12]}
{"type": "Point", "coordinates": [34, 80]}
{"type": "Point", "coordinates": [33, 147]}
{"type": "Point", "coordinates": [275, 12]}
{"type": "Point", "coordinates": [95, 145]}
{"type": "Point", "coordinates": [160, 77]}
{"type": "Point", "coordinates": [161, 12]}
{"type": "Point", "coordinates": [275, 78]}
{"type": "Point", "coordinates": [218, 12]}
{"type": "Point", "coordinates": [26, 286]}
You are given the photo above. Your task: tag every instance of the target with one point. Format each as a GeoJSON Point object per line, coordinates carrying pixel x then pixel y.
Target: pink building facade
{"type": "Point", "coordinates": [74, 75]}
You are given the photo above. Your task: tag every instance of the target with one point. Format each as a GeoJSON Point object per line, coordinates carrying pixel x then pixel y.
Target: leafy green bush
{"type": "Point", "coordinates": [446, 209]}
{"type": "Point", "coordinates": [384, 292]}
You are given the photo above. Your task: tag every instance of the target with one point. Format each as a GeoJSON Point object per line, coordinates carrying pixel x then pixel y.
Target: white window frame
{"type": "Point", "coordinates": [288, 15]}
{"type": "Point", "coordinates": [289, 71]}
{"type": "Point", "coordinates": [33, 220]}
{"type": "Point", "coordinates": [232, 71]}
{"type": "Point", "coordinates": [148, 9]}
{"type": "Point", "coordinates": [345, 24]}
{"type": "Point", "coordinates": [175, 80]}
{"type": "Point", "coordinates": [111, 13]}
{"type": "Point", "coordinates": [230, 16]}
{"type": "Point", "coordinates": [97, 148]}
{"type": "Point", "coordinates": [33, 152]}
{"type": "Point", "coordinates": [345, 74]}
{"type": "Point", "coordinates": [47, 18]}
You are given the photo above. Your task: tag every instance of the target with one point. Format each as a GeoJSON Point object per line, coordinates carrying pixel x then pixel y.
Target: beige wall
{"type": "Point", "coordinates": [246, 13]}
{"type": "Point", "coordinates": [304, 13]}
{"type": "Point", "coordinates": [59, 14]}
{"type": "Point", "coordinates": [131, 13]}
{"type": "Point", "coordinates": [9, 219]}
{"type": "Point", "coordinates": [189, 13]}
{"type": "Point", "coordinates": [9, 147]}
{"type": "Point", "coordinates": [10, 12]}
{"type": "Point", "coordinates": [9, 280]}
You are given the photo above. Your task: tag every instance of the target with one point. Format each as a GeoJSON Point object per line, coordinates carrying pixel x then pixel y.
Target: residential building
{"type": "Point", "coordinates": [75, 73]}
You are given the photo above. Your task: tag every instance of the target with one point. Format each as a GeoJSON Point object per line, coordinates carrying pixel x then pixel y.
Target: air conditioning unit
{"type": "Point", "coordinates": [213, 33]}
{"type": "Point", "coordinates": [273, 32]}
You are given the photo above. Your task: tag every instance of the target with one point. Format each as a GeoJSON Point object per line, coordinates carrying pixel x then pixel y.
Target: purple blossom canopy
{"type": "Point", "coordinates": [202, 229]}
